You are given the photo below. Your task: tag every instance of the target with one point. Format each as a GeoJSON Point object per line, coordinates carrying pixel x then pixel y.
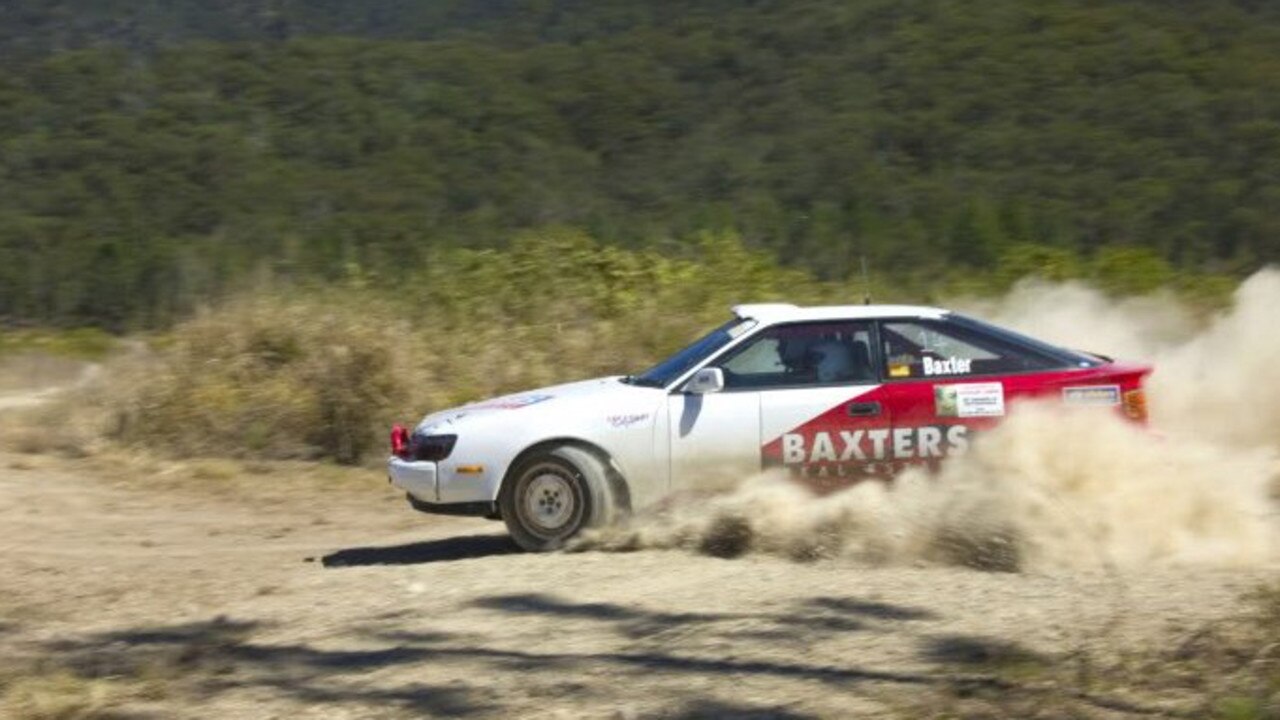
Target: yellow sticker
{"type": "Point", "coordinates": [899, 370]}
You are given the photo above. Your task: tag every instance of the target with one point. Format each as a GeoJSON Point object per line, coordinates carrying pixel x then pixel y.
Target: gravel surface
{"type": "Point", "coordinates": [235, 592]}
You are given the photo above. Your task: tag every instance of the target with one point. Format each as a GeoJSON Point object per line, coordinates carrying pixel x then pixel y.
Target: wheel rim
{"type": "Point", "coordinates": [549, 500]}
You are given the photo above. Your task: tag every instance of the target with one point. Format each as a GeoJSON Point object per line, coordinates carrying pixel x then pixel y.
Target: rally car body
{"type": "Point", "coordinates": [832, 394]}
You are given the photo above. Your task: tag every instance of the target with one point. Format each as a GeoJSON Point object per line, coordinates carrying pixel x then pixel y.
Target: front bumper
{"type": "Point", "coordinates": [416, 477]}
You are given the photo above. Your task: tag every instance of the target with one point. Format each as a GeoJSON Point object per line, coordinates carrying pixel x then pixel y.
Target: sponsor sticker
{"type": "Point", "coordinates": [950, 366]}
{"type": "Point", "coordinates": [626, 421]}
{"type": "Point", "coordinates": [899, 370]}
{"type": "Point", "coordinates": [862, 445]}
{"type": "Point", "coordinates": [1092, 395]}
{"type": "Point", "coordinates": [969, 400]}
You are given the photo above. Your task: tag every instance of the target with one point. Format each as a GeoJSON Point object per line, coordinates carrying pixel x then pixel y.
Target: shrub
{"type": "Point", "coordinates": [321, 372]}
{"type": "Point", "coordinates": [269, 376]}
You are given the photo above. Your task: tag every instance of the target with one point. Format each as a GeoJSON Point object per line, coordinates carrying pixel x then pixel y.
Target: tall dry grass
{"type": "Point", "coordinates": [323, 372]}
{"type": "Point", "coordinates": [320, 376]}
{"type": "Point", "coordinates": [266, 376]}
{"type": "Point", "coordinates": [1228, 669]}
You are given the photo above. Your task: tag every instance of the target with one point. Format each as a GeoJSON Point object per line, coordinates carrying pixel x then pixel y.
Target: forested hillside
{"type": "Point", "coordinates": [153, 155]}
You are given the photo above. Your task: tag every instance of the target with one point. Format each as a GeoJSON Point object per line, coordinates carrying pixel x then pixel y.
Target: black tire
{"type": "Point", "coordinates": [552, 495]}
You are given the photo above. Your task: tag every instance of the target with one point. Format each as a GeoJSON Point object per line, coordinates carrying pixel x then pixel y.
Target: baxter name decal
{"type": "Point", "coordinates": [950, 366]}
{"type": "Point", "coordinates": [878, 444]}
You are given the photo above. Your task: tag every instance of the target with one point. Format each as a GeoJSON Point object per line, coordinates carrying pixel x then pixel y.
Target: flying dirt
{"type": "Point", "coordinates": [1217, 381]}
{"type": "Point", "coordinates": [1054, 487]}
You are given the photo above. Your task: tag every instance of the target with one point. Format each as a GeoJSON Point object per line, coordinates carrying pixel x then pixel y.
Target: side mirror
{"type": "Point", "coordinates": [706, 380]}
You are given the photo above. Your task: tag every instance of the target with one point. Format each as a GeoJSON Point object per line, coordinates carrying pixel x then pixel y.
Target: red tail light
{"type": "Point", "coordinates": [1135, 404]}
{"type": "Point", "coordinates": [400, 441]}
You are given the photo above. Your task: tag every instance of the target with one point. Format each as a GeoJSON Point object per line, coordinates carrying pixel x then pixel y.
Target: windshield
{"type": "Point", "coordinates": [673, 367]}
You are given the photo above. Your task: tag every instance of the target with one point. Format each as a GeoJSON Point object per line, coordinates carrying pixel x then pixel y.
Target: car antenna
{"type": "Point", "coordinates": [866, 282]}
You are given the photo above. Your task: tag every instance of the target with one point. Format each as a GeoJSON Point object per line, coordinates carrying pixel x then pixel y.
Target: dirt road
{"type": "Point", "coordinates": [212, 590]}
{"type": "Point", "coordinates": [31, 380]}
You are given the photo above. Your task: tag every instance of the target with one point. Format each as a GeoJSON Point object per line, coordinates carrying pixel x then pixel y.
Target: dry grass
{"type": "Point", "coordinates": [103, 686]}
{"type": "Point", "coordinates": [62, 427]}
{"type": "Point", "coordinates": [74, 344]}
{"type": "Point", "coordinates": [94, 682]}
{"type": "Point", "coordinates": [59, 695]}
{"type": "Point", "coordinates": [323, 378]}
{"type": "Point", "coordinates": [321, 373]}
{"type": "Point", "coordinates": [39, 689]}
{"type": "Point", "coordinates": [1228, 670]}
{"type": "Point", "coordinates": [263, 378]}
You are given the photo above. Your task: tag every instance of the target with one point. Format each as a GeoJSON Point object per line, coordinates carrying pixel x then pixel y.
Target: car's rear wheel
{"type": "Point", "coordinates": [553, 495]}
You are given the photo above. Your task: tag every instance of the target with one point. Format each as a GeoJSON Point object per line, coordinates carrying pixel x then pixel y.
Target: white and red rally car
{"type": "Point", "coordinates": [834, 394]}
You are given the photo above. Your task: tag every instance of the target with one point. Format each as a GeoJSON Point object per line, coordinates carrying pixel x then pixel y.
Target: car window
{"type": "Point", "coordinates": [802, 354]}
{"type": "Point", "coordinates": [1073, 358]}
{"type": "Point", "coordinates": [929, 349]}
{"type": "Point", "coordinates": [676, 365]}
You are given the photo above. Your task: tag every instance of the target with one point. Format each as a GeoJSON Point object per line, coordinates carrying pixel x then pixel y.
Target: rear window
{"type": "Point", "coordinates": [1069, 357]}
{"type": "Point", "coordinates": [940, 349]}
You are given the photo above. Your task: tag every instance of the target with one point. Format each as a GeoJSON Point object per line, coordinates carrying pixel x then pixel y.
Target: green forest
{"type": "Point", "coordinates": [156, 156]}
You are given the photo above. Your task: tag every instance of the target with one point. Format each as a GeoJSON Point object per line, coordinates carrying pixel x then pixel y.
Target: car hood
{"type": "Point", "coordinates": [604, 396]}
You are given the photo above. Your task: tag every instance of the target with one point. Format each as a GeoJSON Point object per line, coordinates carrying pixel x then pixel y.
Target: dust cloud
{"type": "Point", "coordinates": [1216, 379]}
{"type": "Point", "coordinates": [1053, 487]}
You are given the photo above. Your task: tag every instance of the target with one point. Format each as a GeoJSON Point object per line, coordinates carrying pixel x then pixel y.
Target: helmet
{"type": "Point", "coordinates": [831, 361]}
{"type": "Point", "coordinates": [793, 353]}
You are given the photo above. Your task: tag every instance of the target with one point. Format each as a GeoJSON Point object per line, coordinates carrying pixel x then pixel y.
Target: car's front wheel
{"type": "Point", "coordinates": [552, 495]}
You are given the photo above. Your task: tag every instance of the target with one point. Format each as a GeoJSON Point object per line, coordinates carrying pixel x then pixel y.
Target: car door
{"type": "Point", "coordinates": [714, 438]}
{"type": "Point", "coordinates": [945, 382]}
{"type": "Point", "coordinates": [804, 384]}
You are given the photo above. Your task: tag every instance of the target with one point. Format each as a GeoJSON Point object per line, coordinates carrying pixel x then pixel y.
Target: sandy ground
{"type": "Point", "coordinates": [27, 381]}
{"type": "Point", "coordinates": [214, 589]}
{"type": "Point", "coordinates": [251, 595]}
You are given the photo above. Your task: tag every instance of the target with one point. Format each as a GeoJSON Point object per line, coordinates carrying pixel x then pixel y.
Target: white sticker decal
{"type": "Point", "coordinates": [969, 400]}
{"type": "Point", "coordinates": [510, 403]}
{"type": "Point", "coordinates": [1092, 395]}
{"type": "Point", "coordinates": [950, 366]}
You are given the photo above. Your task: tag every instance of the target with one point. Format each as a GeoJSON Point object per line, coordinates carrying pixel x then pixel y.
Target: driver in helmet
{"type": "Point", "coordinates": [817, 360]}
{"type": "Point", "coordinates": [830, 361]}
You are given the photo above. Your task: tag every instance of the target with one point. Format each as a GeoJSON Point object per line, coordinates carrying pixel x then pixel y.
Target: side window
{"type": "Point", "coordinates": [802, 354]}
{"type": "Point", "coordinates": [926, 348]}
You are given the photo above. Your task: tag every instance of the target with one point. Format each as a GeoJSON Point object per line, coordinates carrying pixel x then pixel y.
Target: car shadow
{"type": "Point", "coordinates": [467, 547]}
